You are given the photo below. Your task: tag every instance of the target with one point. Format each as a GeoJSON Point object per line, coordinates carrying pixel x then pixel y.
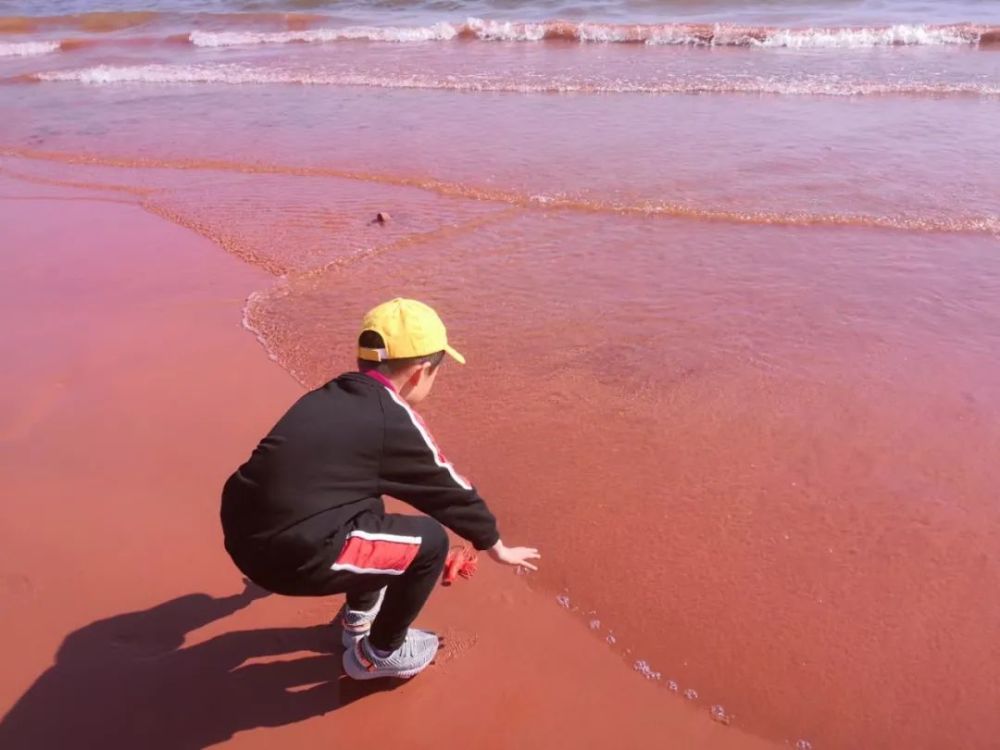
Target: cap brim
{"type": "Point", "coordinates": [455, 355]}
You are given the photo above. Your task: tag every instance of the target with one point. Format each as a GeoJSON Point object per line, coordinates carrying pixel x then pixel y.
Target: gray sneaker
{"type": "Point", "coordinates": [355, 623]}
{"type": "Point", "coordinates": [410, 659]}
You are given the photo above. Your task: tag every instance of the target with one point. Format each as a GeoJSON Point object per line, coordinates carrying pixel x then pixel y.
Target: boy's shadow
{"type": "Point", "coordinates": [129, 682]}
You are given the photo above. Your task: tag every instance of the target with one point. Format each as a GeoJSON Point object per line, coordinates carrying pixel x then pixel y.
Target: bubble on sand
{"type": "Point", "coordinates": [671, 685]}
{"type": "Point", "coordinates": [803, 745]}
{"type": "Point", "coordinates": [642, 667]}
{"type": "Point", "coordinates": [691, 694]}
{"type": "Point", "coordinates": [720, 715]}
{"type": "Point", "coordinates": [611, 639]}
{"type": "Point", "coordinates": [595, 624]}
{"type": "Point", "coordinates": [563, 600]}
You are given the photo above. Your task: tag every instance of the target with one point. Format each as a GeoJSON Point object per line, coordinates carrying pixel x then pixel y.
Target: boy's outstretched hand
{"type": "Point", "coordinates": [515, 555]}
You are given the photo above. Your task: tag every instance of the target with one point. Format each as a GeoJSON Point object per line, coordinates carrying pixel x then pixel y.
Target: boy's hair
{"type": "Point", "coordinates": [388, 367]}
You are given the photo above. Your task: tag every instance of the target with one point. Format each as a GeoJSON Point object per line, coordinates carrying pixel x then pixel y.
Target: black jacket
{"type": "Point", "coordinates": [331, 457]}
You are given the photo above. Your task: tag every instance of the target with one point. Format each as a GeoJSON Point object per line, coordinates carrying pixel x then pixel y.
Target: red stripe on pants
{"type": "Point", "coordinates": [390, 557]}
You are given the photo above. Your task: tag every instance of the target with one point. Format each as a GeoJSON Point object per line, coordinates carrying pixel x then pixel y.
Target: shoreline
{"type": "Point", "coordinates": [131, 339]}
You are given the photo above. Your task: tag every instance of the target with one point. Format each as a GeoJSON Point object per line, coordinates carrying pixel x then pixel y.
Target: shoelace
{"type": "Point", "coordinates": [408, 650]}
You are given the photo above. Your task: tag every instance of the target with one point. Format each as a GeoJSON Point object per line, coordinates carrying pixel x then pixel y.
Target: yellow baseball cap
{"type": "Point", "coordinates": [408, 328]}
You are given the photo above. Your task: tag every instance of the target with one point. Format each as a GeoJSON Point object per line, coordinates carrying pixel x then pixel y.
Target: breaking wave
{"type": "Point", "coordinates": [27, 49]}
{"type": "Point", "coordinates": [708, 35]}
{"type": "Point", "coordinates": [437, 32]}
{"type": "Point", "coordinates": [476, 29]}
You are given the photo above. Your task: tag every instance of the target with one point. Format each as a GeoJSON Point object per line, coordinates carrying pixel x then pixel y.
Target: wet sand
{"type": "Point", "coordinates": [129, 391]}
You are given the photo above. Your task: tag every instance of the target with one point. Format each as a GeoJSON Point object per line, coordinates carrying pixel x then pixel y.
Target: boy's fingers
{"type": "Point", "coordinates": [527, 565]}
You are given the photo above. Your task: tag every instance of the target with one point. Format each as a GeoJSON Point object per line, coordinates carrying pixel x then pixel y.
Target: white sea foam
{"type": "Point", "coordinates": [237, 74]}
{"type": "Point", "coordinates": [156, 73]}
{"type": "Point", "coordinates": [718, 713]}
{"type": "Point", "coordinates": [505, 31]}
{"type": "Point", "coordinates": [815, 38]}
{"type": "Point", "coordinates": [899, 35]}
{"type": "Point", "coordinates": [642, 667]}
{"type": "Point", "coordinates": [437, 32]}
{"type": "Point", "coordinates": [718, 35]}
{"type": "Point", "coordinates": [27, 49]}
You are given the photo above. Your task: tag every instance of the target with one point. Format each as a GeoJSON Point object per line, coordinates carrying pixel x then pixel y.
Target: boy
{"type": "Point", "coordinates": [304, 515]}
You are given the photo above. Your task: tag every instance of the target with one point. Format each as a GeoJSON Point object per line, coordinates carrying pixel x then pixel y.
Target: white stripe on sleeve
{"type": "Point", "coordinates": [431, 445]}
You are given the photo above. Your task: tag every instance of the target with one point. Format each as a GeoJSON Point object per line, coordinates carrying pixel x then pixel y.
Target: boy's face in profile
{"type": "Point", "coordinates": [419, 382]}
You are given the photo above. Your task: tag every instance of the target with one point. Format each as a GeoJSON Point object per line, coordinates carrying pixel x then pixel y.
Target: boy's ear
{"type": "Point", "coordinates": [416, 373]}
